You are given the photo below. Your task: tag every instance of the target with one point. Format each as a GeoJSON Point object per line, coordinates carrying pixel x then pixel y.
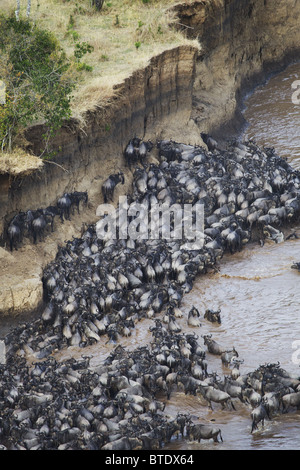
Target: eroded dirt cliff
{"type": "Point", "coordinates": [242, 43]}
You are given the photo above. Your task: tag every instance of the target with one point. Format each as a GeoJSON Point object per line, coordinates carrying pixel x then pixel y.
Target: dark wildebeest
{"type": "Point", "coordinates": [78, 196]}
{"type": "Point", "coordinates": [64, 204]}
{"type": "Point", "coordinates": [15, 230]}
{"type": "Point", "coordinates": [109, 185]}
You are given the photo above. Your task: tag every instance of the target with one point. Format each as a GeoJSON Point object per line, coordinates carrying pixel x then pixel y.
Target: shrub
{"type": "Point", "coordinates": [34, 69]}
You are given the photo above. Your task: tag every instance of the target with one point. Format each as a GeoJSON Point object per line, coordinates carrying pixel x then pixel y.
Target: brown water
{"type": "Point", "coordinates": [256, 290]}
{"type": "Point", "coordinates": [258, 294]}
{"type": "Point", "coordinates": [273, 114]}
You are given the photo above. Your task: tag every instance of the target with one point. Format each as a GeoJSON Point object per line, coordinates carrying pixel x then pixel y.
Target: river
{"type": "Point", "coordinates": [272, 112]}
{"type": "Point", "coordinates": [256, 290]}
{"type": "Point", "coordinates": [258, 294]}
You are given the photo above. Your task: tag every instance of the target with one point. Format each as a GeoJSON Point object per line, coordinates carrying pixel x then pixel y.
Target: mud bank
{"type": "Point", "coordinates": [181, 93]}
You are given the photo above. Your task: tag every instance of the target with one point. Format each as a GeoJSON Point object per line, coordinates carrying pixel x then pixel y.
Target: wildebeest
{"type": "Point", "coordinates": [212, 346]}
{"type": "Point", "coordinates": [15, 230]}
{"type": "Point", "coordinates": [123, 443]}
{"type": "Point", "coordinates": [232, 388]}
{"type": "Point", "coordinates": [38, 226]}
{"type": "Point", "coordinates": [193, 317]}
{"type": "Point", "coordinates": [290, 400]}
{"type": "Point", "coordinates": [211, 393]}
{"type": "Point", "coordinates": [37, 221]}
{"type": "Point", "coordinates": [211, 143]}
{"type": "Point", "coordinates": [109, 185]}
{"type": "Point", "coordinates": [136, 151]}
{"type": "Point", "coordinates": [235, 371]}
{"type": "Point", "coordinates": [213, 315]}
{"type": "Point", "coordinates": [196, 432]}
{"type": "Point", "coordinates": [130, 153]}
{"type": "Point", "coordinates": [296, 265]}
{"type": "Point", "coordinates": [144, 148]}
{"type": "Point", "coordinates": [228, 355]}
{"type": "Point", "coordinates": [272, 403]}
{"type": "Point", "coordinates": [259, 414]}
{"type": "Point", "coordinates": [78, 196]}
{"type": "Point", "coordinates": [51, 212]}
{"type": "Point", "coordinates": [251, 396]}
{"type": "Point", "coordinates": [64, 204]}
{"type": "Point", "coordinates": [33, 223]}
{"type": "Point", "coordinates": [273, 234]}
{"type": "Point", "coordinates": [189, 383]}
{"type": "Point", "coordinates": [169, 150]}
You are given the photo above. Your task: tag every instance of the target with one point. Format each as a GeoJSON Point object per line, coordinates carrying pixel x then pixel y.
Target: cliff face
{"type": "Point", "coordinates": [242, 43]}
{"type": "Point", "coordinates": [182, 92]}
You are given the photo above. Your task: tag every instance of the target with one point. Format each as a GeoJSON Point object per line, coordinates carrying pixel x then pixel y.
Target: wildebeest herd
{"type": "Point", "coordinates": [97, 290]}
{"type": "Point", "coordinates": [33, 224]}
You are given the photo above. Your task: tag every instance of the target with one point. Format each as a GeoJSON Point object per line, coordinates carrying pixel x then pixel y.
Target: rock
{"type": "Point", "coordinates": [6, 257]}
{"type": "Point", "coordinates": [18, 295]}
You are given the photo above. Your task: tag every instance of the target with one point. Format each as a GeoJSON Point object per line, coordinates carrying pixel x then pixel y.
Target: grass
{"type": "Point", "coordinates": [18, 162]}
{"type": "Point", "coordinates": [124, 35]}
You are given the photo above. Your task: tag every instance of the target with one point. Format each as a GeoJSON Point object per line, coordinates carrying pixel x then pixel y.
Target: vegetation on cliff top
{"type": "Point", "coordinates": [34, 70]}
{"type": "Point", "coordinates": [106, 45]}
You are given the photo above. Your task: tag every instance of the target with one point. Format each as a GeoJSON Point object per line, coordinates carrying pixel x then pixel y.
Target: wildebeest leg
{"type": "Point", "coordinates": [11, 244]}
{"type": "Point", "coordinates": [216, 437]}
{"type": "Point", "coordinates": [231, 405]}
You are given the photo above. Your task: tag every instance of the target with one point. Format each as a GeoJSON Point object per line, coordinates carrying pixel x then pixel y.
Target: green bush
{"type": "Point", "coordinates": [34, 69]}
{"type": "Point", "coordinates": [82, 48]}
{"type": "Point", "coordinates": [82, 66]}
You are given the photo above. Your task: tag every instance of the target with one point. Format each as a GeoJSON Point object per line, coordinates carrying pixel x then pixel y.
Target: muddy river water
{"type": "Point", "coordinates": [258, 294]}
{"type": "Point", "coordinates": [256, 290]}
